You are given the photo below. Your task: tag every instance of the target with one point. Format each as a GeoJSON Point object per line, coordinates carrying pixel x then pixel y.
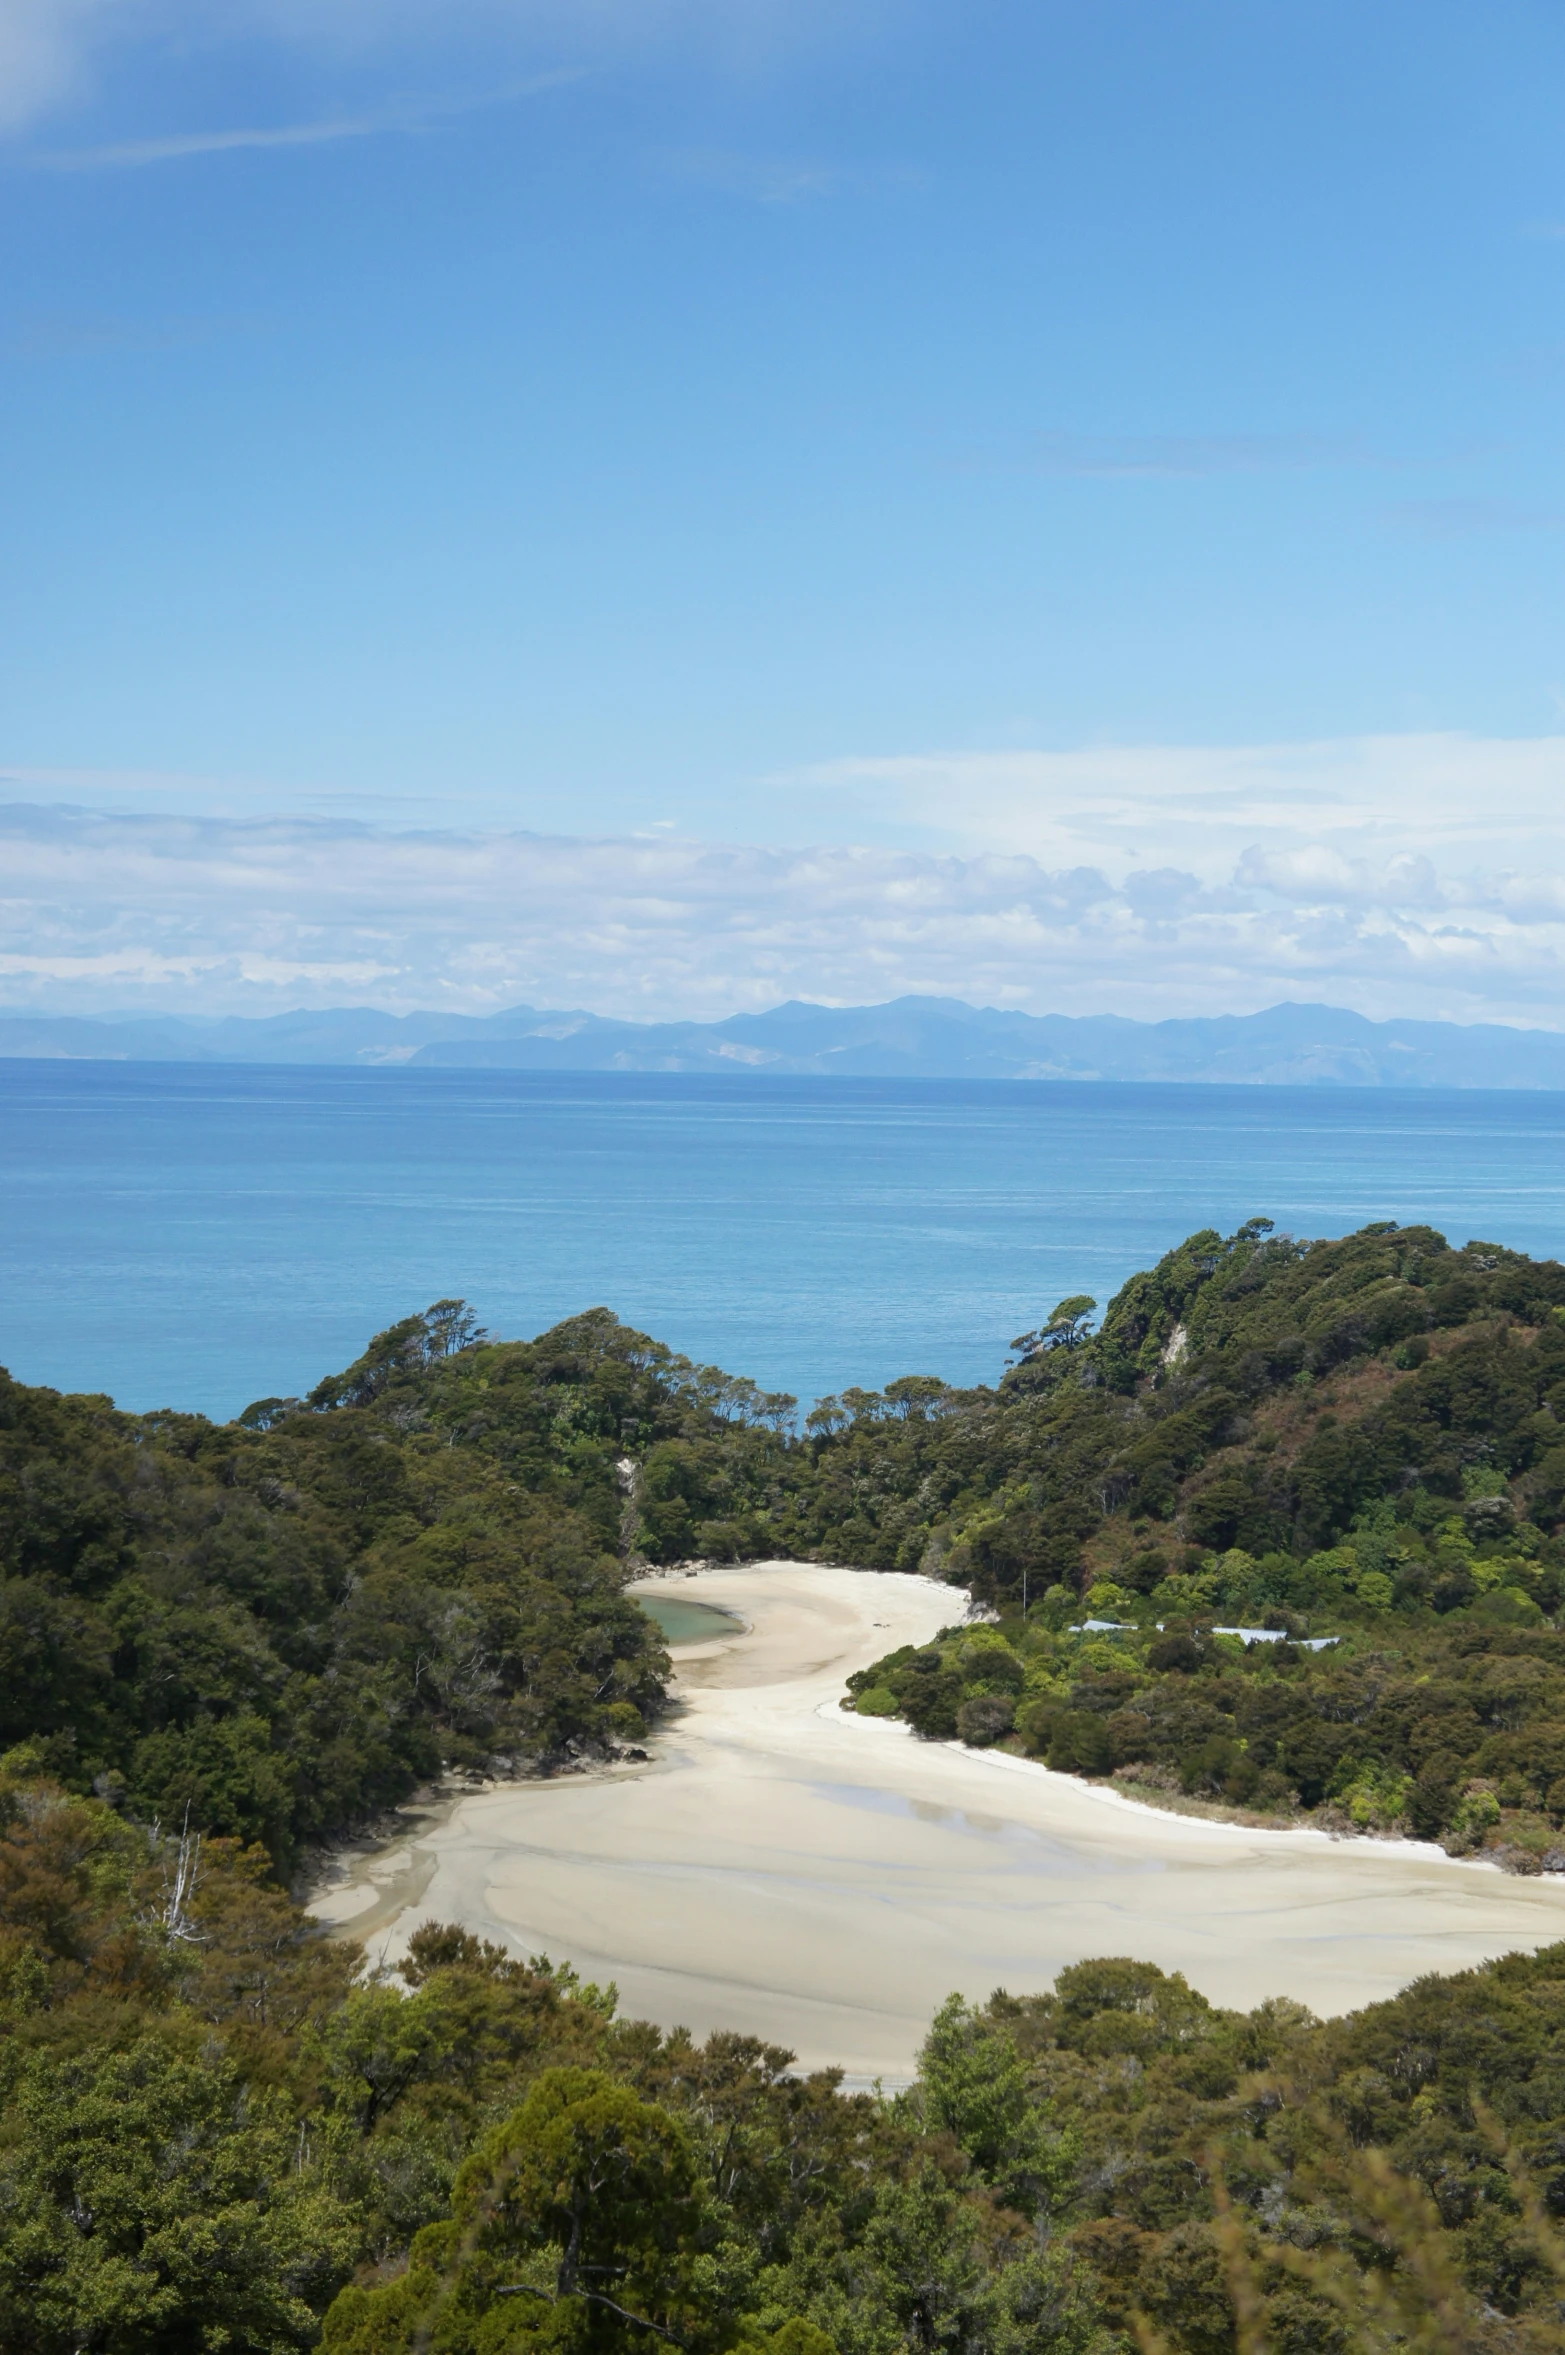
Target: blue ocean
{"type": "Point", "coordinates": [190, 1236]}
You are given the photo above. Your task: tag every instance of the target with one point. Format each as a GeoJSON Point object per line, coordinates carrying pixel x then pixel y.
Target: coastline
{"type": "Point", "coordinates": [1245, 1827]}
{"type": "Point", "coordinates": [1235, 1821]}
{"type": "Point", "coordinates": [778, 1868]}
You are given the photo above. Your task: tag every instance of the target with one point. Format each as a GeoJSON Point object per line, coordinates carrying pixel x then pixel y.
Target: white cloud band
{"type": "Point", "coordinates": [1141, 882]}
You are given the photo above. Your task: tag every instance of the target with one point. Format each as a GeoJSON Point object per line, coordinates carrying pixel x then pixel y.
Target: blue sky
{"type": "Point", "coordinates": [671, 503]}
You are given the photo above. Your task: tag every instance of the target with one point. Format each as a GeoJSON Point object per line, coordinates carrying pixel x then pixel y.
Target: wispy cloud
{"type": "Point", "coordinates": [134, 152]}
{"type": "Point", "coordinates": [1400, 875]}
{"type": "Point", "coordinates": [1466, 518]}
{"type": "Point", "coordinates": [409, 116]}
{"type": "Point", "coordinates": [1465, 801]}
{"type": "Point", "coordinates": [764, 179]}
{"type": "Point", "coordinates": [50, 50]}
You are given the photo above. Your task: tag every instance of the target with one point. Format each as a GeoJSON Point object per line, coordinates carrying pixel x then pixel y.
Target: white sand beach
{"type": "Point", "coordinates": [824, 1881]}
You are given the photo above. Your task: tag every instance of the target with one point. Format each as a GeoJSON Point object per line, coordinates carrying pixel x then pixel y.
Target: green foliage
{"type": "Point", "coordinates": [579, 2224]}
{"type": "Point", "coordinates": [217, 2132]}
{"type": "Point", "coordinates": [151, 2202]}
{"type": "Point", "coordinates": [1251, 1394]}
{"type": "Point", "coordinates": [281, 1625]}
{"type": "Point", "coordinates": [1448, 1730]}
{"type": "Point", "coordinates": [974, 2084]}
{"type": "Point", "coordinates": [1358, 1437]}
{"type": "Point", "coordinates": [1066, 1327]}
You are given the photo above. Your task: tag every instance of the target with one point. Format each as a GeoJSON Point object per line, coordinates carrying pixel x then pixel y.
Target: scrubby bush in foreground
{"type": "Point", "coordinates": [217, 2131]}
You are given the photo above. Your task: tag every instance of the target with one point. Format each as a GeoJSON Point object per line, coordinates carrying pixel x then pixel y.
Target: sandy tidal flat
{"type": "Point", "coordinates": [824, 1881]}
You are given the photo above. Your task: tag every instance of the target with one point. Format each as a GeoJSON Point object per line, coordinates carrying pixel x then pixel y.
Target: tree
{"type": "Point", "coordinates": [916, 1394]}
{"type": "Point", "coordinates": [922, 2240]}
{"type": "Point", "coordinates": [972, 2082]}
{"type": "Point", "coordinates": [445, 1327]}
{"type": "Point", "coordinates": [450, 1325]}
{"type": "Point", "coordinates": [153, 2207]}
{"type": "Point", "coordinates": [1066, 1327]}
{"type": "Point", "coordinates": [587, 2210]}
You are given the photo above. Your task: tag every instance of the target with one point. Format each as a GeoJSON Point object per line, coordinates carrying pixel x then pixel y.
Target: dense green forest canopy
{"type": "Point", "coordinates": [222, 1643]}
{"type": "Point", "coordinates": [218, 2132]}
{"type": "Point", "coordinates": [284, 1624]}
{"type": "Point", "coordinates": [1361, 1439]}
{"type": "Point", "coordinates": [1324, 1409]}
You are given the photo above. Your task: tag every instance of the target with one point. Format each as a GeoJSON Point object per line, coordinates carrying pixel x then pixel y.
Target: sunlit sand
{"type": "Point", "coordinates": [824, 1881]}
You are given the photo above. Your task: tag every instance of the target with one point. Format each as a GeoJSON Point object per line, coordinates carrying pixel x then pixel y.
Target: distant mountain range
{"type": "Point", "coordinates": [911, 1038]}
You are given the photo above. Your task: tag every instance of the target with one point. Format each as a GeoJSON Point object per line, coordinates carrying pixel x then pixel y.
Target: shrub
{"type": "Point", "coordinates": [930, 1704]}
{"type": "Point", "coordinates": [1176, 1654]}
{"type": "Point", "coordinates": [984, 1717]}
{"type": "Point", "coordinates": [1478, 1813]}
{"type": "Point", "coordinates": [878, 1700]}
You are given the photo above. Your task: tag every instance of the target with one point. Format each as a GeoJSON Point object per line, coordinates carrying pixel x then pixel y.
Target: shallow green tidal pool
{"type": "Point", "coordinates": [682, 1622]}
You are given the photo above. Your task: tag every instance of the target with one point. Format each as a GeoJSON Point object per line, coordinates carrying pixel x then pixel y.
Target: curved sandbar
{"type": "Point", "coordinates": [824, 1881]}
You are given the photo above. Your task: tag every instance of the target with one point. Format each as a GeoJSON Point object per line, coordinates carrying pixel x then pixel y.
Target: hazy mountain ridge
{"type": "Point", "coordinates": [909, 1038]}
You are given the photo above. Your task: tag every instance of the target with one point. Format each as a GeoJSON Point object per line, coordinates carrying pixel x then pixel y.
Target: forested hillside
{"type": "Point", "coordinates": [1305, 1415]}
{"type": "Point", "coordinates": [219, 2133]}
{"type": "Point", "coordinates": [1363, 1440]}
{"type": "Point", "coordinates": [283, 1624]}
{"type": "Point", "coordinates": [287, 1622]}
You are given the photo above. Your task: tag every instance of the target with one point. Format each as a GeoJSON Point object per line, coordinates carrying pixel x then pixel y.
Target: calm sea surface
{"type": "Point", "coordinates": [183, 1236]}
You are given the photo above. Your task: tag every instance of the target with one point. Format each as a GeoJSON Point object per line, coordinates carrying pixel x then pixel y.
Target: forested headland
{"type": "Point", "coordinates": [224, 1645]}
{"type": "Point", "coordinates": [284, 1624]}
{"type": "Point", "coordinates": [276, 1627]}
{"type": "Point", "coordinates": [1360, 1440]}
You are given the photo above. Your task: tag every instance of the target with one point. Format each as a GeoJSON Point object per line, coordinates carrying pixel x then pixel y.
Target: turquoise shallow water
{"type": "Point", "coordinates": [197, 1237]}
{"type": "Point", "coordinates": [682, 1622]}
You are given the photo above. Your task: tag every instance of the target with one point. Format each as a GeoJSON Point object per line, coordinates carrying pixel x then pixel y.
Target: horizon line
{"type": "Point", "coordinates": [19, 1014]}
